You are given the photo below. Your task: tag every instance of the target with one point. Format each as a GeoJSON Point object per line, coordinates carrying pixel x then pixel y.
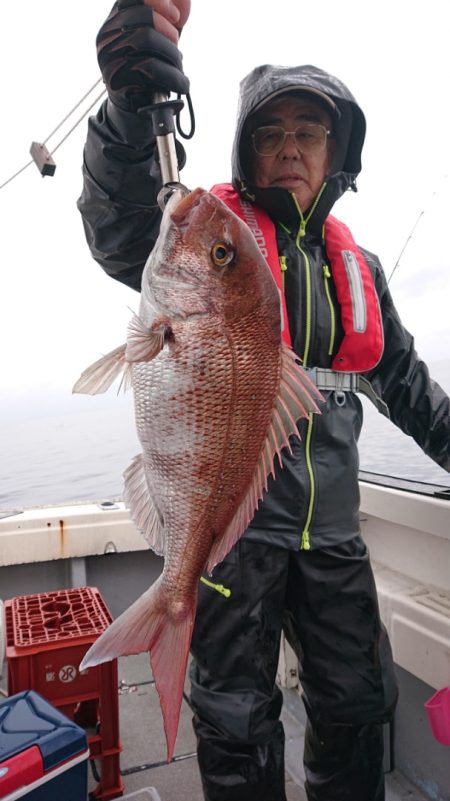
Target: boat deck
{"type": "Point", "coordinates": [148, 777]}
{"type": "Point", "coordinates": [146, 774]}
{"type": "Point", "coordinates": [95, 545]}
{"type": "Point", "coordinates": [143, 759]}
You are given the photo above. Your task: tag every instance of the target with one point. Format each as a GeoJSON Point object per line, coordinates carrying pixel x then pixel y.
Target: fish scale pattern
{"type": "Point", "coordinates": [202, 432]}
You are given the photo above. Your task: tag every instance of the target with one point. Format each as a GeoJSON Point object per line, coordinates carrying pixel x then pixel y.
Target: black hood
{"type": "Point", "coordinates": [349, 128]}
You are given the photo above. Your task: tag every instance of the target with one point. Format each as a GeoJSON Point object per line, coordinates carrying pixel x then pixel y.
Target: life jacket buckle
{"type": "Point", "coordinates": [339, 397]}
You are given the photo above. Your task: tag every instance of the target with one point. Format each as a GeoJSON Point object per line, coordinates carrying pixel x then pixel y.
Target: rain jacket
{"type": "Point", "coordinates": [314, 501]}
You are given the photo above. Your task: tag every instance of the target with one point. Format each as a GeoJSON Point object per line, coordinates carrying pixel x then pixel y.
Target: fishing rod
{"type": "Point", "coordinates": [408, 239]}
{"type": "Point", "coordinates": [411, 233]}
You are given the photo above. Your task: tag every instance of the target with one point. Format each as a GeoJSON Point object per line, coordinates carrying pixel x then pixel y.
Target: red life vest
{"type": "Point", "coordinates": [362, 345]}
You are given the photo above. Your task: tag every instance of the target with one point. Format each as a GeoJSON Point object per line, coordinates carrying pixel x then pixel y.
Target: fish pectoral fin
{"type": "Point", "coordinates": [143, 511]}
{"type": "Point", "coordinates": [144, 343]}
{"type": "Point", "coordinates": [297, 398]}
{"type": "Point", "coordinates": [99, 376]}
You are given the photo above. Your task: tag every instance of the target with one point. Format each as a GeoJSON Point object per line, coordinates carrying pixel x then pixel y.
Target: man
{"type": "Point", "coordinates": [302, 564]}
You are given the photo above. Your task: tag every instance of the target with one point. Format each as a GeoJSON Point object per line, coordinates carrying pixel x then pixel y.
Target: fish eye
{"type": "Point", "coordinates": [222, 254]}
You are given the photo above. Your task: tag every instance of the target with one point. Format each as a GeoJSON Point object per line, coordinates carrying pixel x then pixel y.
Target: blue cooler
{"type": "Point", "coordinates": [43, 754]}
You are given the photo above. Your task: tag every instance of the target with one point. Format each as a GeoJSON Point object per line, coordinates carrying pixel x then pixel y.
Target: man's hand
{"type": "Point", "coordinates": [170, 16]}
{"type": "Point", "coordinates": [137, 51]}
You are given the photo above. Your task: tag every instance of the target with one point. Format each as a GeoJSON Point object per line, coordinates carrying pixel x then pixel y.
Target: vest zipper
{"type": "Point", "coordinates": [305, 544]}
{"type": "Point", "coordinates": [326, 279]}
{"type": "Point", "coordinates": [300, 235]}
{"type": "Point", "coordinates": [283, 268]}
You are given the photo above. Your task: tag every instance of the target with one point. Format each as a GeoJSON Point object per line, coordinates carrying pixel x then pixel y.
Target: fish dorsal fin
{"type": "Point", "coordinates": [99, 376]}
{"type": "Point", "coordinates": [143, 342]}
{"type": "Point", "coordinates": [297, 397]}
{"type": "Point", "coordinates": [143, 511]}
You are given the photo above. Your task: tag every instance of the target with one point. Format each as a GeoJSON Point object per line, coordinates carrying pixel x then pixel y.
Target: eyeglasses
{"type": "Point", "coordinates": [310, 138]}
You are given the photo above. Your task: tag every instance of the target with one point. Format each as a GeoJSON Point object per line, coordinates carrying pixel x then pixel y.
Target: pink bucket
{"type": "Point", "coordinates": [438, 711]}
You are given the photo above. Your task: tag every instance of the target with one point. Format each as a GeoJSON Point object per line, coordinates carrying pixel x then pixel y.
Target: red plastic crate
{"type": "Point", "coordinates": [58, 616]}
{"type": "Point", "coordinates": [47, 636]}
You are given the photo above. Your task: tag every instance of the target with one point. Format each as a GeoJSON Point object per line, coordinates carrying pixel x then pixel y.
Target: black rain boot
{"type": "Point", "coordinates": [344, 763]}
{"type": "Point", "coordinates": [241, 771]}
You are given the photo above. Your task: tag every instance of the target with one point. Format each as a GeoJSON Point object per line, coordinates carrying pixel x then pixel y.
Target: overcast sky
{"type": "Point", "coordinates": [59, 311]}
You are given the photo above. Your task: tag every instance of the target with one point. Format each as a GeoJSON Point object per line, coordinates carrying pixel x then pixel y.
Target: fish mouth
{"type": "Point", "coordinates": [186, 206]}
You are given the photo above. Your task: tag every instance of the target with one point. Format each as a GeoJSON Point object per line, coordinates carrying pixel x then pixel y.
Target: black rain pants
{"type": "Point", "coordinates": [326, 601]}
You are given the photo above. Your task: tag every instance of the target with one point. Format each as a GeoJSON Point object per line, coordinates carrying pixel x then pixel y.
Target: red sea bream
{"type": "Point", "coordinates": [217, 396]}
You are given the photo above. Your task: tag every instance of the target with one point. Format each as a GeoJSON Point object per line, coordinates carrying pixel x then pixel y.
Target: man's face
{"type": "Point", "coordinates": [300, 173]}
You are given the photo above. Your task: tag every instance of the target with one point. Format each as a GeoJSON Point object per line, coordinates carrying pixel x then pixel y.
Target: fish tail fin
{"type": "Point", "coordinates": [169, 656]}
{"type": "Point", "coordinates": [131, 632]}
{"type": "Point", "coordinates": [147, 626]}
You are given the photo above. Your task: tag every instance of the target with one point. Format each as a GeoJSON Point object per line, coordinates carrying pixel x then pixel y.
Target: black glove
{"type": "Point", "coordinates": [135, 60]}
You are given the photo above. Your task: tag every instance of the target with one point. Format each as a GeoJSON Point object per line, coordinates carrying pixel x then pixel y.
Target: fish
{"type": "Point", "coordinates": [217, 397]}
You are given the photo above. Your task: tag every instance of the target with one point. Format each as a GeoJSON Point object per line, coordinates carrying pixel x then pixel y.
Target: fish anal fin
{"type": "Point", "coordinates": [99, 376]}
{"type": "Point", "coordinates": [143, 511]}
{"type": "Point", "coordinates": [144, 342]}
{"type": "Point", "coordinates": [297, 398]}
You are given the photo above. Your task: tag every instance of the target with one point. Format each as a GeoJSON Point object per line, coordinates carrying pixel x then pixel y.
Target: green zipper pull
{"type": "Point", "coordinates": [218, 587]}
{"type": "Point", "coordinates": [283, 268]}
{"type": "Point", "coordinates": [326, 271]}
{"type": "Point", "coordinates": [306, 545]}
{"type": "Point", "coordinates": [302, 227]}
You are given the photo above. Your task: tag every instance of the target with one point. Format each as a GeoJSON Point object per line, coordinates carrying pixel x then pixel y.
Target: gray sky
{"type": "Point", "coordinates": [59, 312]}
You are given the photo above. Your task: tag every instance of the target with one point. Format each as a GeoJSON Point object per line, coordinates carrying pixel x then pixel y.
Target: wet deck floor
{"type": "Point", "coordinates": [144, 751]}
{"type": "Point", "coordinates": [144, 747]}
{"type": "Point", "coordinates": [145, 772]}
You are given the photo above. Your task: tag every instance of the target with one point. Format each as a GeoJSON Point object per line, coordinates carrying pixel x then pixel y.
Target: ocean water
{"type": "Point", "coordinates": [68, 455]}
{"type": "Point", "coordinates": [76, 448]}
